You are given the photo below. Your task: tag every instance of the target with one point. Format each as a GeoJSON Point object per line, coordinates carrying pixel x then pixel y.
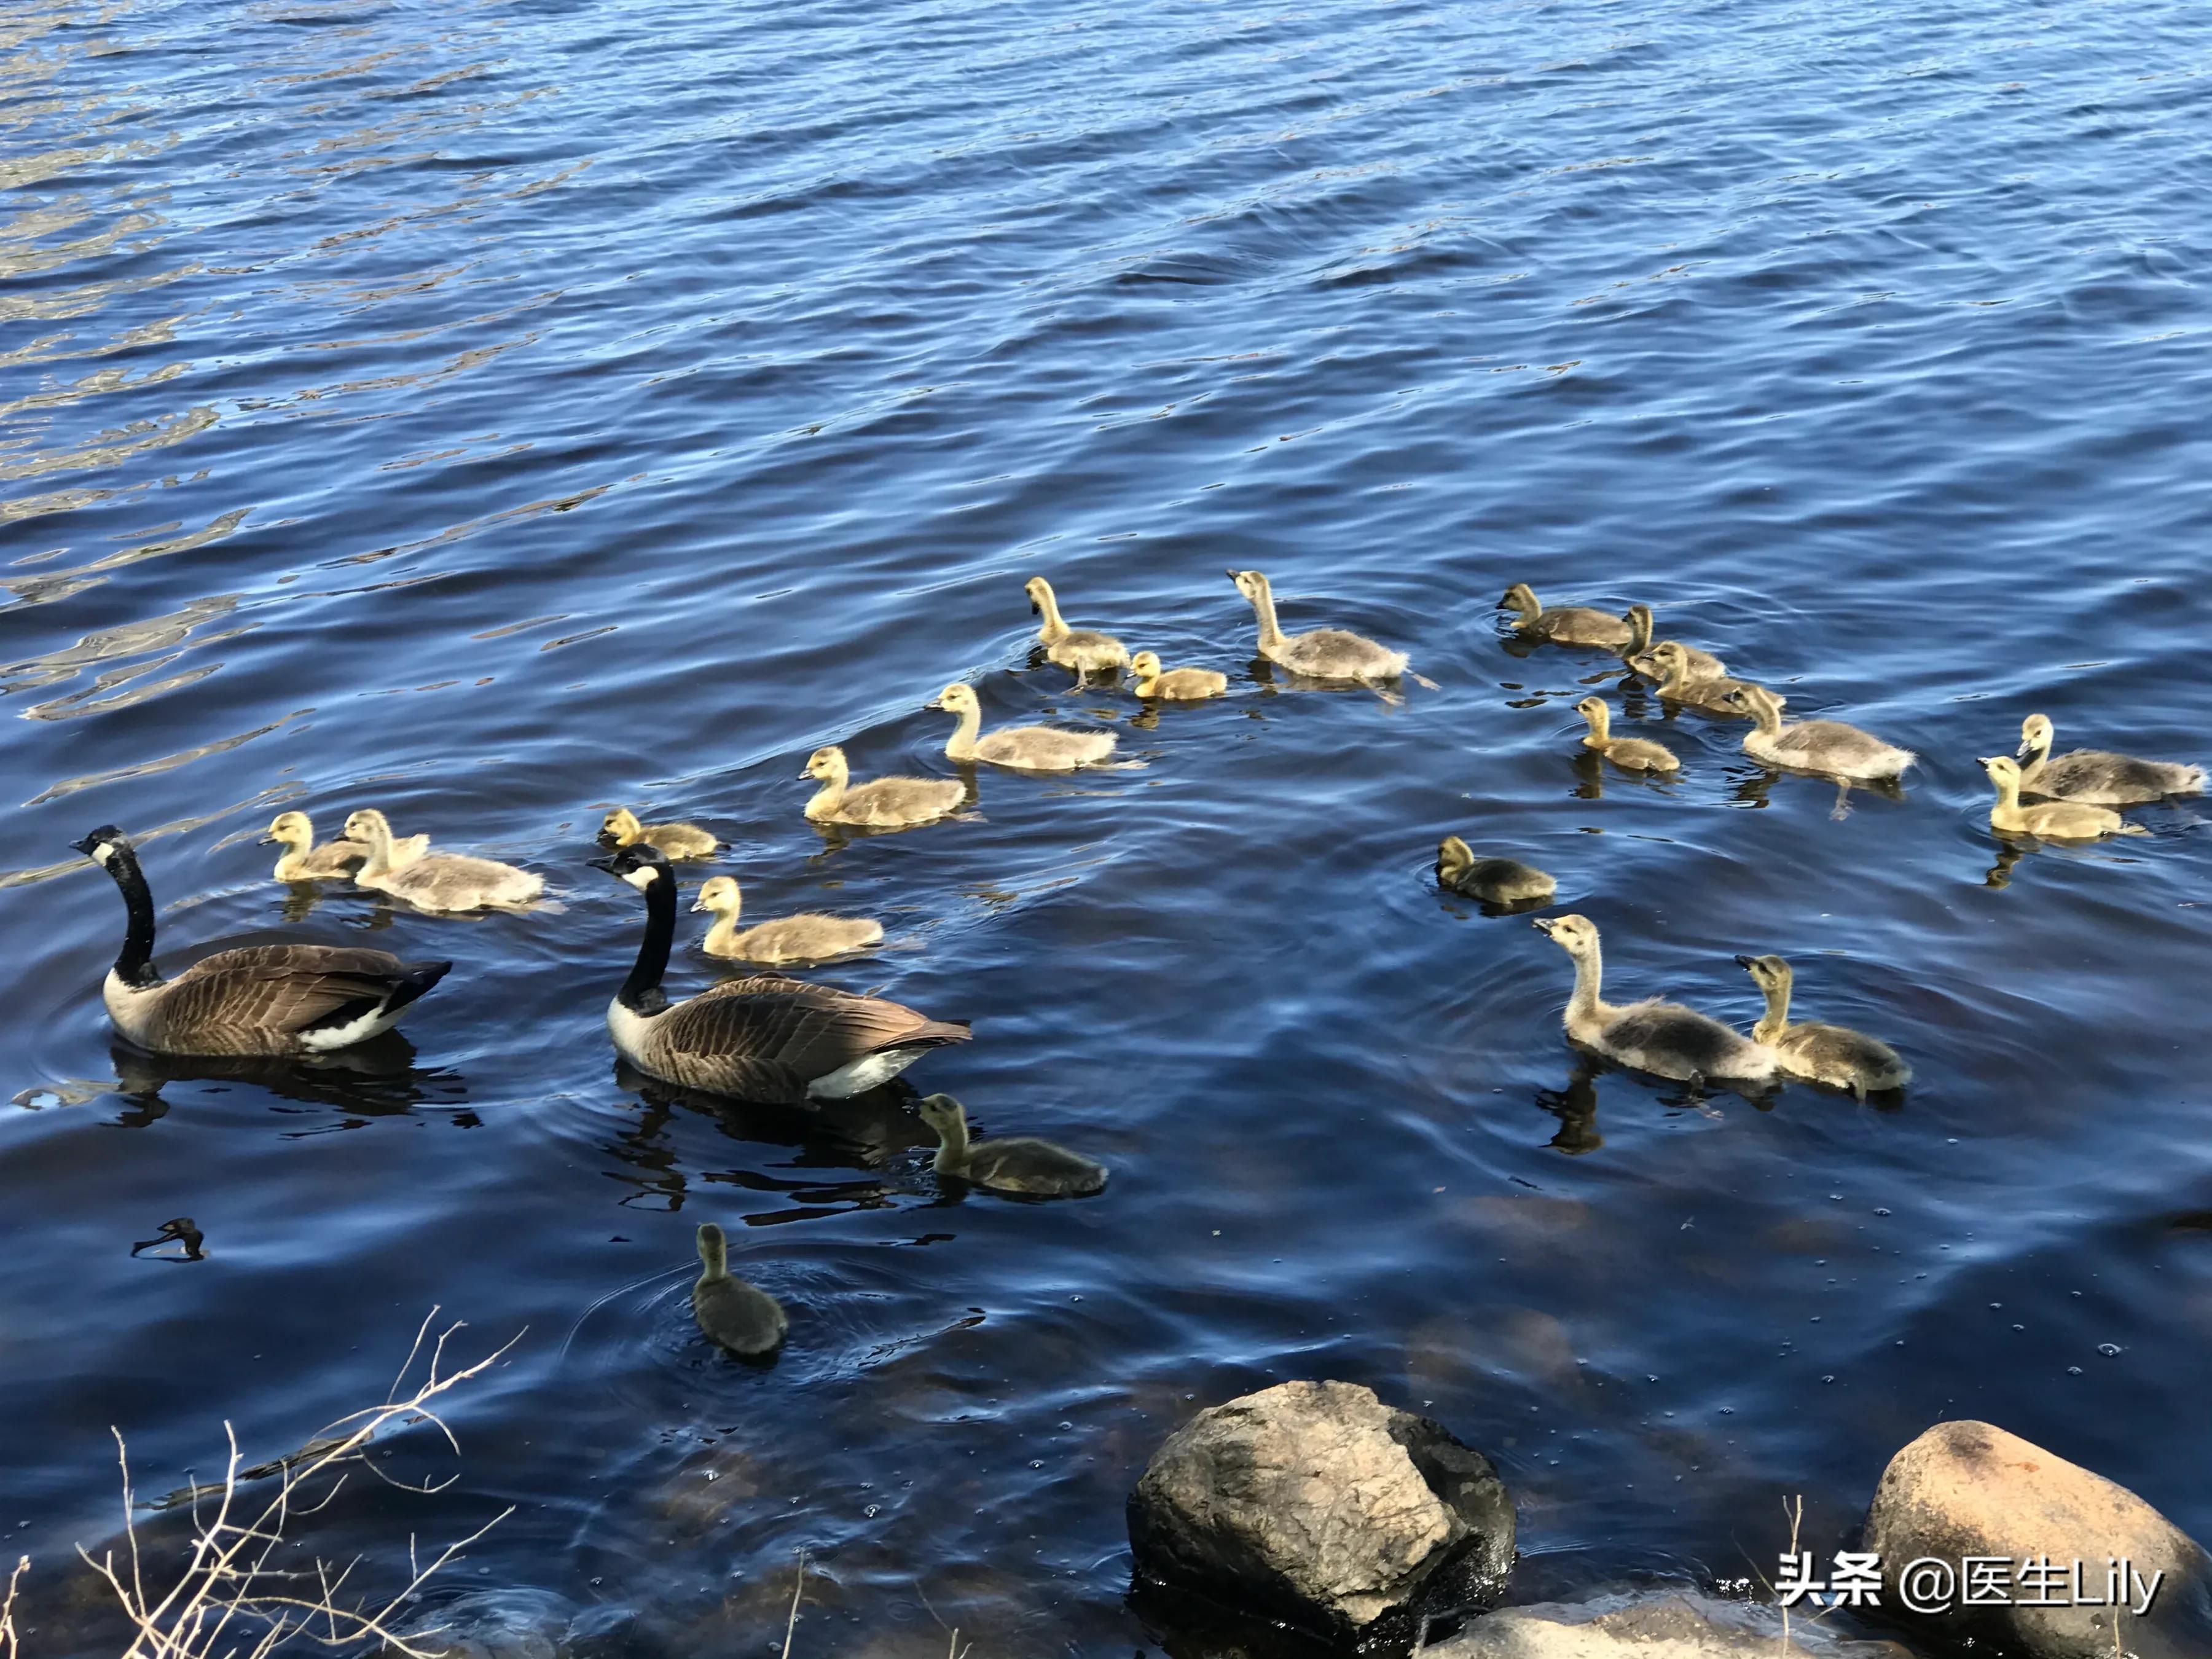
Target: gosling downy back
{"type": "Point", "coordinates": [1174, 685]}
{"type": "Point", "coordinates": [1029, 748]}
{"type": "Point", "coordinates": [1017, 1164]}
{"type": "Point", "coordinates": [2097, 775]}
{"type": "Point", "coordinates": [1085, 650]}
{"type": "Point", "coordinates": [1492, 880]}
{"type": "Point", "coordinates": [1834, 1056]}
{"type": "Point", "coordinates": [437, 881]}
{"type": "Point", "coordinates": [806, 937]}
{"type": "Point", "coordinates": [678, 841]}
{"type": "Point", "coordinates": [1828, 747]}
{"type": "Point", "coordinates": [1665, 1039]}
{"type": "Point", "coordinates": [2052, 820]}
{"type": "Point", "coordinates": [1325, 653]}
{"type": "Point", "coordinates": [883, 803]}
{"type": "Point", "coordinates": [733, 1313]}
{"type": "Point", "coordinates": [1573, 624]}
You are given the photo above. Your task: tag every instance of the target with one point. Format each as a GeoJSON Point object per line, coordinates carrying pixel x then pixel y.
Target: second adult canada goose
{"type": "Point", "coordinates": [807, 937]}
{"type": "Point", "coordinates": [1031, 748]}
{"type": "Point", "coordinates": [1494, 881]}
{"type": "Point", "coordinates": [1174, 685]}
{"type": "Point", "coordinates": [1663, 1038]}
{"type": "Point", "coordinates": [1324, 654]}
{"type": "Point", "coordinates": [1671, 666]}
{"type": "Point", "coordinates": [1018, 1164]}
{"type": "Point", "coordinates": [2052, 820]}
{"type": "Point", "coordinates": [1639, 653]}
{"type": "Point", "coordinates": [765, 1038]}
{"type": "Point", "coordinates": [1571, 624]}
{"type": "Point", "coordinates": [1629, 754]}
{"type": "Point", "coordinates": [437, 881]}
{"type": "Point", "coordinates": [881, 803]}
{"type": "Point", "coordinates": [678, 841]}
{"type": "Point", "coordinates": [1084, 650]}
{"type": "Point", "coordinates": [1826, 746]}
{"type": "Point", "coordinates": [302, 860]}
{"type": "Point", "coordinates": [264, 999]}
{"type": "Point", "coordinates": [1834, 1054]}
{"type": "Point", "coordinates": [2097, 775]}
{"type": "Point", "coordinates": [741, 1317]}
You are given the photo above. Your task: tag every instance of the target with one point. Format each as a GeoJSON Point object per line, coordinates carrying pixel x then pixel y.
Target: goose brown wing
{"type": "Point", "coordinates": [274, 991]}
{"type": "Point", "coordinates": [774, 1035]}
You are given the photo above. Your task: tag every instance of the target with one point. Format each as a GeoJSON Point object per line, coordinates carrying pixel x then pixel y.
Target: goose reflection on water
{"type": "Point", "coordinates": [373, 1079]}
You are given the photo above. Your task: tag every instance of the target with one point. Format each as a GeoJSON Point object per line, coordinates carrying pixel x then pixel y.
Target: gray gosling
{"type": "Point", "coordinates": [1629, 754]}
{"type": "Point", "coordinates": [741, 1317]}
{"type": "Point", "coordinates": [1174, 685]}
{"type": "Point", "coordinates": [2096, 775]}
{"type": "Point", "coordinates": [882, 803]}
{"type": "Point", "coordinates": [1640, 654]}
{"type": "Point", "coordinates": [1572, 624]}
{"type": "Point", "coordinates": [263, 1000]}
{"type": "Point", "coordinates": [1833, 1055]}
{"type": "Point", "coordinates": [807, 937]}
{"type": "Point", "coordinates": [1018, 1164]}
{"type": "Point", "coordinates": [2051, 820]}
{"type": "Point", "coordinates": [678, 841]}
{"type": "Point", "coordinates": [1494, 881]}
{"type": "Point", "coordinates": [436, 881]}
{"type": "Point", "coordinates": [1663, 1038]}
{"type": "Point", "coordinates": [1084, 650]}
{"type": "Point", "coordinates": [1324, 654]}
{"type": "Point", "coordinates": [1030, 748]}
{"type": "Point", "coordinates": [1679, 682]}
{"type": "Point", "coordinates": [1826, 746]}
{"type": "Point", "coordinates": [302, 860]}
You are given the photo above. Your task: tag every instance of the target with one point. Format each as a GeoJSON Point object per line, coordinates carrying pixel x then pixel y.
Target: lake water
{"type": "Point", "coordinates": [494, 413]}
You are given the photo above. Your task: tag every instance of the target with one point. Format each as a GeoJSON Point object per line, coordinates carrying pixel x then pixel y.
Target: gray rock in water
{"type": "Point", "coordinates": [1668, 1624]}
{"type": "Point", "coordinates": [1971, 1489]}
{"type": "Point", "coordinates": [1316, 1503]}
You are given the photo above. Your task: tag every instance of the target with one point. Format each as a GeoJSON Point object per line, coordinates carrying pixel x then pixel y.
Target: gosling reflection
{"type": "Point", "coordinates": [180, 1230]}
{"type": "Point", "coordinates": [1575, 1107]}
{"type": "Point", "coordinates": [1021, 1164]}
{"type": "Point", "coordinates": [734, 1314]}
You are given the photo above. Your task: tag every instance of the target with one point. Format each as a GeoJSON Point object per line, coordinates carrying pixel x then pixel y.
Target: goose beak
{"type": "Point", "coordinates": [85, 846]}
{"type": "Point", "coordinates": [1743, 961]}
{"type": "Point", "coordinates": [607, 865]}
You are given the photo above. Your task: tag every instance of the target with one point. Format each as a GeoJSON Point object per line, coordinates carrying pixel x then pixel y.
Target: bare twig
{"type": "Point", "coordinates": [1796, 1510]}
{"type": "Point", "coordinates": [792, 1623]}
{"type": "Point", "coordinates": [8, 1648]}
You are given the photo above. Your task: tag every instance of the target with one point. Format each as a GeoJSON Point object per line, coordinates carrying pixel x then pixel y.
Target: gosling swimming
{"type": "Point", "coordinates": [882, 803]}
{"type": "Point", "coordinates": [1663, 1038]}
{"type": "Point", "coordinates": [1829, 747]}
{"type": "Point", "coordinates": [1324, 654]}
{"type": "Point", "coordinates": [2051, 820]}
{"type": "Point", "coordinates": [1084, 650]}
{"type": "Point", "coordinates": [1671, 667]}
{"type": "Point", "coordinates": [809, 936]}
{"type": "Point", "coordinates": [1639, 653]}
{"type": "Point", "coordinates": [679, 841]}
{"type": "Point", "coordinates": [1174, 685]}
{"type": "Point", "coordinates": [444, 881]}
{"type": "Point", "coordinates": [1572, 624]}
{"type": "Point", "coordinates": [1629, 754]}
{"type": "Point", "coordinates": [1019, 1164]}
{"type": "Point", "coordinates": [1494, 881]}
{"type": "Point", "coordinates": [734, 1314]}
{"type": "Point", "coordinates": [302, 860]}
{"type": "Point", "coordinates": [2097, 775]}
{"type": "Point", "coordinates": [1030, 748]}
{"type": "Point", "coordinates": [1833, 1055]}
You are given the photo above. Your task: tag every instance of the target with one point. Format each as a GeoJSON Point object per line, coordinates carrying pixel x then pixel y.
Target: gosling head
{"type": "Point", "coordinates": [641, 864]}
{"type": "Point", "coordinates": [104, 845]}
{"type": "Point", "coordinates": [943, 1113]}
{"type": "Point", "coordinates": [956, 700]}
{"type": "Point", "coordinates": [714, 1248]}
{"type": "Point", "coordinates": [1145, 665]}
{"type": "Point", "coordinates": [1250, 583]}
{"type": "Point", "coordinates": [1040, 592]}
{"type": "Point", "coordinates": [1670, 655]}
{"type": "Point", "coordinates": [367, 824]}
{"type": "Point", "coordinates": [1755, 701]}
{"type": "Point", "coordinates": [1453, 855]}
{"type": "Point", "coordinates": [1593, 710]}
{"type": "Point", "coordinates": [291, 828]}
{"type": "Point", "coordinates": [826, 764]}
{"type": "Point", "coordinates": [1768, 973]}
{"type": "Point", "coordinates": [1520, 596]}
{"type": "Point", "coordinates": [718, 895]}
{"type": "Point", "coordinates": [2034, 734]}
{"type": "Point", "coordinates": [621, 826]}
{"type": "Point", "coordinates": [1576, 935]}
{"type": "Point", "coordinates": [2004, 770]}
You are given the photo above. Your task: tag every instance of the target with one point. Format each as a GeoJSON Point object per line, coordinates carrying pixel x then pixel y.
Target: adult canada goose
{"type": "Point", "coordinates": [741, 1317]}
{"type": "Point", "coordinates": [1032, 748]}
{"type": "Point", "coordinates": [1640, 654]}
{"type": "Point", "coordinates": [436, 881]}
{"type": "Point", "coordinates": [302, 860]}
{"type": "Point", "coordinates": [1324, 654]}
{"type": "Point", "coordinates": [1664, 1038]}
{"type": "Point", "coordinates": [1174, 685]}
{"type": "Point", "coordinates": [264, 999]}
{"type": "Point", "coordinates": [808, 937]}
{"type": "Point", "coordinates": [1670, 666]}
{"type": "Point", "coordinates": [2052, 820]}
{"type": "Point", "coordinates": [1571, 624]}
{"type": "Point", "coordinates": [1629, 754]}
{"type": "Point", "coordinates": [1827, 746]}
{"type": "Point", "coordinates": [1084, 650]}
{"type": "Point", "coordinates": [762, 1038]}
{"type": "Point", "coordinates": [1834, 1054]}
{"type": "Point", "coordinates": [1494, 881]}
{"type": "Point", "coordinates": [2096, 775]}
{"type": "Point", "coordinates": [678, 841]}
{"type": "Point", "coordinates": [882, 803]}
{"type": "Point", "coordinates": [1019, 1164]}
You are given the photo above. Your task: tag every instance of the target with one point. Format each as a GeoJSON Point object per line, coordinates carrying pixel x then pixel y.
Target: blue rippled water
{"type": "Point", "coordinates": [495, 412]}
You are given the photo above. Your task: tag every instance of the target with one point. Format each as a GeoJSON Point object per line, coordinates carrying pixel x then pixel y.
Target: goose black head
{"type": "Point", "coordinates": [103, 844]}
{"type": "Point", "coordinates": [641, 864]}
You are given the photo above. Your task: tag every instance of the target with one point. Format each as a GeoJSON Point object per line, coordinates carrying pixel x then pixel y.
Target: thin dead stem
{"type": "Point", "coordinates": [230, 1577]}
{"type": "Point", "coordinates": [791, 1624]}
{"type": "Point", "coordinates": [8, 1648]}
{"type": "Point", "coordinates": [1795, 1508]}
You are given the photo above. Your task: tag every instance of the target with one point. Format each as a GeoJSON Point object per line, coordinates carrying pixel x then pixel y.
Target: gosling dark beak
{"type": "Point", "coordinates": [806, 776]}
{"type": "Point", "coordinates": [934, 702]}
{"type": "Point", "coordinates": [1543, 925]}
{"type": "Point", "coordinates": [2025, 750]}
{"type": "Point", "coordinates": [266, 840]}
{"type": "Point", "coordinates": [607, 865]}
{"type": "Point", "coordinates": [1984, 760]}
{"type": "Point", "coordinates": [1744, 962]}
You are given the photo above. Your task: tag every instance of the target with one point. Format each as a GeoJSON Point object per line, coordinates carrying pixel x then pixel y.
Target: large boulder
{"type": "Point", "coordinates": [1316, 1503]}
{"type": "Point", "coordinates": [1676, 1624]}
{"type": "Point", "coordinates": [1970, 1489]}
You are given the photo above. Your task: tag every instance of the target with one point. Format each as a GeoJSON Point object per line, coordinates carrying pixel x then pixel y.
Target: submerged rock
{"type": "Point", "coordinates": [1666, 1624]}
{"type": "Point", "coordinates": [1316, 1503]}
{"type": "Point", "coordinates": [1970, 1489]}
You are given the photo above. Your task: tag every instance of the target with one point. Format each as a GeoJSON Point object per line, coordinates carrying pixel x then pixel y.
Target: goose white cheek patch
{"type": "Point", "coordinates": [641, 878]}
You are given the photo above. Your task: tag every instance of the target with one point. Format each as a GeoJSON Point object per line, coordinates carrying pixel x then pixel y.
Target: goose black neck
{"type": "Point", "coordinates": [641, 992]}
{"type": "Point", "coordinates": [134, 962]}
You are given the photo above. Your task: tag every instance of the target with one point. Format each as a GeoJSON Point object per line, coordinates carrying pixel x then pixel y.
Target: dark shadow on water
{"type": "Point", "coordinates": [372, 1079]}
